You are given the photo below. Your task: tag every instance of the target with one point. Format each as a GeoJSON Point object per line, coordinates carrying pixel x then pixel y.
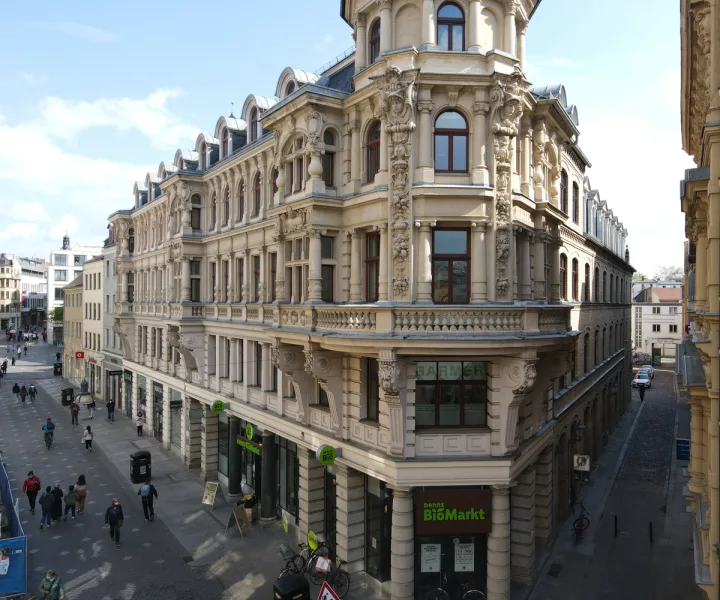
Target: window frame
{"type": "Point", "coordinates": [451, 258]}
{"type": "Point", "coordinates": [372, 390]}
{"type": "Point", "coordinates": [374, 42]}
{"type": "Point", "coordinates": [241, 202]}
{"type": "Point", "coordinates": [451, 134]}
{"type": "Point", "coordinates": [372, 260]}
{"type": "Point", "coordinates": [575, 279]}
{"type": "Point", "coordinates": [563, 276]}
{"type": "Point", "coordinates": [372, 152]}
{"type": "Point", "coordinates": [576, 202]}
{"type": "Point", "coordinates": [253, 123]}
{"type": "Point", "coordinates": [450, 23]}
{"type": "Point", "coordinates": [257, 200]}
{"type": "Point", "coordinates": [564, 191]}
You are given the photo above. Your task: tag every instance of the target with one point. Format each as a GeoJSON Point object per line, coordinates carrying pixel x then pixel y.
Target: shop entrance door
{"type": "Point", "coordinates": [456, 563]}
{"type": "Point", "coordinates": [378, 527]}
{"type": "Point", "coordinates": [330, 510]}
{"type": "Point", "coordinates": [158, 410]}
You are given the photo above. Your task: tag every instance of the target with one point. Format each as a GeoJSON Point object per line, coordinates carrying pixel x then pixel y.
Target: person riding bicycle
{"type": "Point", "coordinates": [49, 428]}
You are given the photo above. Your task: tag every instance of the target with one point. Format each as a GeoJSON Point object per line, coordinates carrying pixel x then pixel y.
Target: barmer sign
{"type": "Point", "coordinates": [453, 511]}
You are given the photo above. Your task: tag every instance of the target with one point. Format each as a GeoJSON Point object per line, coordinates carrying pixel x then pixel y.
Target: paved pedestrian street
{"type": "Point", "coordinates": [148, 564]}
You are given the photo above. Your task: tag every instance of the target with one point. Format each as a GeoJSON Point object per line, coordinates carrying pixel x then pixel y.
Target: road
{"type": "Point", "coordinates": [150, 563]}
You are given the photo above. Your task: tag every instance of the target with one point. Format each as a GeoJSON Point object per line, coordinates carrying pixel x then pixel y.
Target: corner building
{"type": "Point", "coordinates": [402, 258]}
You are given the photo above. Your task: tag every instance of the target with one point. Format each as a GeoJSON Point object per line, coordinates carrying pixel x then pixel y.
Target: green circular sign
{"type": "Point", "coordinates": [285, 522]}
{"type": "Point", "coordinates": [326, 454]}
{"type": "Point", "coordinates": [312, 541]}
{"type": "Point", "coordinates": [249, 431]}
{"type": "Point", "coordinates": [218, 407]}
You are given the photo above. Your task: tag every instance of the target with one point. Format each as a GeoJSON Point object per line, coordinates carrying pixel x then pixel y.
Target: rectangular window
{"type": "Point", "coordinates": [372, 390]}
{"type": "Point", "coordinates": [194, 281]}
{"type": "Point", "coordinates": [225, 277]}
{"type": "Point", "coordinates": [240, 276]}
{"type": "Point", "coordinates": [59, 260]}
{"type": "Point", "coordinates": [273, 276]}
{"type": "Point", "coordinates": [258, 364]}
{"type": "Point", "coordinates": [656, 310]}
{"type": "Point", "coordinates": [673, 328]}
{"type": "Point", "coordinates": [60, 275]}
{"type": "Point", "coordinates": [80, 259]}
{"type": "Point", "coordinates": [656, 328]}
{"type": "Point", "coordinates": [256, 279]}
{"type": "Point", "coordinates": [213, 281]}
{"type": "Point", "coordinates": [673, 310]}
{"type": "Point", "coordinates": [450, 266]}
{"type": "Point", "coordinates": [328, 163]}
{"type": "Point", "coordinates": [372, 266]}
{"type": "Point", "coordinates": [323, 399]}
{"type": "Point", "coordinates": [195, 217]}
{"type": "Point", "coordinates": [289, 475]}
{"type": "Point", "coordinates": [450, 394]}
{"type": "Point", "coordinates": [131, 287]}
{"type": "Point", "coordinates": [326, 246]}
{"type": "Point", "coordinates": [328, 282]}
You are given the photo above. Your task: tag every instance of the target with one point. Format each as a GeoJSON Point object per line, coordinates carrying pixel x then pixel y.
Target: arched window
{"type": "Point", "coordinates": [202, 156]}
{"type": "Point", "coordinates": [586, 353]}
{"type": "Point", "coordinates": [575, 279]}
{"type": "Point", "coordinates": [451, 143]}
{"type": "Point", "coordinates": [225, 142]}
{"type": "Point", "coordinates": [256, 196]}
{"type": "Point", "coordinates": [604, 355]}
{"type": "Point", "coordinates": [226, 207]}
{"type": "Point", "coordinates": [617, 289]}
{"type": "Point", "coordinates": [563, 277]}
{"type": "Point", "coordinates": [586, 285]}
{"type": "Point", "coordinates": [290, 88]}
{"type": "Point", "coordinates": [576, 202]}
{"type": "Point", "coordinates": [213, 212]}
{"type": "Point", "coordinates": [328, 159]}
{"type": "Point", "coordinates": [240, 202]}
{"type": "Point", "coordinates": [596, 295]}
{"type": "Point", "coordinates": [373, 151]}
{"type": "Point", "coordinates": [604, 290]}
{"type": "Point", "coordinates": [564, 191]}
{"type": "Point", "coordinates": [196, 213]}
{"type": "Point", "coordinates": [253, 124]}
{"type": "Point", "coordinates": [274, 181]}
{"type": "Point", "coordinates": [597, 347]}
{"type": "Point", "coordinates": [450, 27]}
{"type": "Point", "coordinates": [374, 44]}
{"type": "Point", "coordinates": [612, 288]}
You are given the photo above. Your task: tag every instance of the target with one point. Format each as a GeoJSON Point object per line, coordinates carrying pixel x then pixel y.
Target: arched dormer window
{"type": "Point", "coordinates": [328, 159]}
{"type": "Point", "coordinates": [203, 157]}
{"type": "Point", "coordinates": [374, 41]}
{"type": "Point", "coordinates": [450, 27]}
{"type": "Point", "coordinates": [373, 151]}
{"type": "Point", "coordinates": [253, 124]}
{"type": "Point", "coordinates": [256, 196]}
{"type": "Point", "coordinates": [564, 191]}
{"type": "Point", "coordinates": [225, 142]}
{"type": "Point", "coordinates": [451, 143]}
{"type": "Point", "coordinates": [240, 215]}
{"type": "Point", "coordinates": [226, 207]}
{"type": "Point", "coordinates": [290, 88]}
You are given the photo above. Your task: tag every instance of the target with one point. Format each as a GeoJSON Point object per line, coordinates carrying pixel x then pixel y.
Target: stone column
{"type": "Point", "coordinates": [479, 265]}
{"type": "Point", "coordinates": [185, 282]}
{"type": "Point", "coordinates": [355, 151]}
{"type": "Point", "coordinates": [526, 166]}
{"type": "Point", "coordinates": [267, 370]}
{"type": "Point", "coordinates": [544, 497]}
{"type": "Point", "coordinates": [350, 517]}
{"type": "Point", "coordinates": [426, 170]}
{"type": "Point", "coordinates": [193, 434]}
{"type": "Point", "coordinates": [402, 559]}
{"type": "Point", "coordinates": [524, 267]}
{"type": "Point", "coordinates": [230, 290]}
{"type": "Point", "coordinates": [383, 268]}
{"type": "Point", "coordinates": [385, 25]}
{"type": "Point", "coordinates": [123, 284]}
{"type": "Point", "coordinates": [521, 43]}
{"type": "Point", "coordinates": [513, 261]}
{"type": "Point", "coordinates": [360, 42]}
{"type": "Point", "coordinates": [268, 494]}
{"type": "Point", "coordinates": [522, 527]}
{"type": "Point", "coordinates": [279, 282]}
{"type": "Point", "coordinates": [490, 264]}
{"type": "Point", "coordinates": [498, 546]}
{"type": "Point", "coordinates": [381, 177]}
{"type": "Point", "coordinates": [208, 444]}
{"type": "Point", "coordinates": [480, 173]}
{"type": "Point", "coordinates": [510, 31]}
{"type": "Point", "coordinates": [539, 279]}
{"type": "Point", "coordinates": [315, 278]}
{"type": "Point", "coordinates": [355, 267]}
{"type": "Point", "coordinates": [311, 493]}
{"type": "Point", "coordinates": [424, 260]}
{"type": "Point", "coordinates": [473, 41]}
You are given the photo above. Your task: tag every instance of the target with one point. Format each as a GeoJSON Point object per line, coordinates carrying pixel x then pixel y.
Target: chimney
{"type": "Point", "coordinates": [627, 254]}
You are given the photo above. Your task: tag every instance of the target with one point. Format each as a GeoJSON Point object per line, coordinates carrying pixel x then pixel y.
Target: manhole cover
{"type": "Point", "coordinates": [554, 569]}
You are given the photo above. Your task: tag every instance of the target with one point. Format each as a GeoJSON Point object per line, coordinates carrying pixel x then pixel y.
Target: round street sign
{"type": "Point", "coordinates": [249, 431]}
{"type": "Point", "coordinates": [285, 522]}
{"type": "Point", "coordinates": [326, 454]}
{"type": "Point", "coordinates": [312, 540]}
{"type": "Point", "coordinates": [218, 407]}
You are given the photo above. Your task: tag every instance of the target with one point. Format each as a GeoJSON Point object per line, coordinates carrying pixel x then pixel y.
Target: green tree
{"type": "Point", "coordinates": [639, 276]}
{"type": "Point", "coordinates": [668, 273]}
{"type": "Point", "coordinates": [57, 314]}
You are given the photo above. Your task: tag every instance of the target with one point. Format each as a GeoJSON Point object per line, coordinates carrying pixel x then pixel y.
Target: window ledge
{"type": "Point", "coordinates": [455, 430]}
{"type": "Point", "coordinates": [370, 423]}
{"type": "Point", "coordinates": [321, 408]}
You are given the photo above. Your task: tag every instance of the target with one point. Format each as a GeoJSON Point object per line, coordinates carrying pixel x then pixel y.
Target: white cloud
{"type": "Point", "coordinates": [67, 225]}
{"type": "Point", "coordinates": [19, 230]}
{"type": "Point", "coordinates": [150, 116]}
{"type": "Point", "coordinates": [83, 32]}
{"type": "Point", "coordinates": [23, 210]}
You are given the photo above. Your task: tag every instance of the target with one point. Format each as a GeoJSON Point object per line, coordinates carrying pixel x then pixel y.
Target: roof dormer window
{"type": "Point", "coordinates": [225, 142]}
{"type": "Point", "coordinates": [253, 124]}
{"type": "Point", "coordinates": [203, 156]}
{"type": "Point", "coordinates": [290, 88]}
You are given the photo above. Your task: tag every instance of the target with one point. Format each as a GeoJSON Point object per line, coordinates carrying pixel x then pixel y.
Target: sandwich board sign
{"type": "Point", "coordinates": [327, 593]}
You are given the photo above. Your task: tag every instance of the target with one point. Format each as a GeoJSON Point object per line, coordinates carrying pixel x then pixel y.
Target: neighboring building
{"type": "Point", "coordinates": [638, 285]}
{"type": "Point", "coordinates": [700, 197]}
{"type": "Point", "coordinates": [64, 266]}
{"type": "Point", "coordinates": [401, 258]}
{"type": "Point", "coordinates": [112, 353]}
{"type": "Point", "coordinates": [93, 275]}
{"type": "Point", "coordinates": [73, 351]}
{"type": "Point", "coordinates": [33, 283]}
{"type": "Point", "coordinates": [657, 321]}
{"type": "Point", "coordinates": [10, 292]}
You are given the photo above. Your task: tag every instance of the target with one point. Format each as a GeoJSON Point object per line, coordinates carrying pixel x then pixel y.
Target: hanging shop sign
{"type": "Point", "coordinates": [128, 377]}
{"type": "Point", "coordinates": [218, 407]}
{"type": "Point", "coordinates": [249, 431]}
{"type": "Point", "coordinates": [248, 445]}
{"type": "Point", "coordinates": [326, 454]}
{"type": "Point", "coordinates": [453, 511]}
{"type": "Point", "coordinates": [79, 355]}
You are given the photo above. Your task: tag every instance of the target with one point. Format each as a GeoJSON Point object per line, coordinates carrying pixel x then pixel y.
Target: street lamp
{"type": "Point", "coordinates": [578, 428]}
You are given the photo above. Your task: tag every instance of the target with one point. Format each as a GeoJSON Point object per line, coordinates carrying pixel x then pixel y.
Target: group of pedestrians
{"type": "Point", "coordinates": [23, 392]}
{"type": "Point", "coordinates": [52, 499]}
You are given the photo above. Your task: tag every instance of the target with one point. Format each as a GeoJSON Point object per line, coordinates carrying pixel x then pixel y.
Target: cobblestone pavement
{"type": "Point", "coordinates": [647, 490]}
{"type": "Point", "coordinates": [148, 564]}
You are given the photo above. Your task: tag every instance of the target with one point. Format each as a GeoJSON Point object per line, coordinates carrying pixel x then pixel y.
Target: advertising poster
{"type": "Point", "coordinates": [464, 557]}
{"type": "Point", "coordinates": [13, 580]}
{"type": "Point", "coordinates": [210, 492]}
{"type": "Point", "coordinates": [429, 558]}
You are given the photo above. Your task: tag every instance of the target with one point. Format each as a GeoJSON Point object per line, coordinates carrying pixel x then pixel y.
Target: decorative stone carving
{"type": "Point", "coordinates": [308, 361]}
{"type": "Point", "coordinates": [183, 343]}
{"type": "Point", "coordinates": [529, 376]}
{"type": "Point", "coordinates": [399, 95]}
{"type": "Point", "coordinates": [387, 376]}
{"type": "Point", "coordinates": [506, 98]}
{"type": "Point", "coordinates": [700, 78]}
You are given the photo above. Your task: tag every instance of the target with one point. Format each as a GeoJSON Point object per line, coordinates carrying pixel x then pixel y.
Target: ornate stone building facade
{"type": "Point", "coordinates": [391, 257]}
{"type": "Point", "coordinates": [700, 196]}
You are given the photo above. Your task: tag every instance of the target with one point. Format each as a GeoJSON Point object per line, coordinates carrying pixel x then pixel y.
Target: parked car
{"type": "Point", "coordinates": [650, 371]}
{"type": "Point", "coordinates": [641, 380]}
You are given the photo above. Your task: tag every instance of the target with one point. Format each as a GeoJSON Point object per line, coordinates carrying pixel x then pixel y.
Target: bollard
{"type": "Point", "coordinates": [615, 525]}
{"type": "Point", "coordinates": [651, 536]}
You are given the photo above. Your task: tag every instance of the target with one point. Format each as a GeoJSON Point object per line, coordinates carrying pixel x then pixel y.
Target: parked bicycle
{"type": "Point", "coordinates": [466, 593]}
{"type": "Point", "coordinates": [581, 523]}
{"type": "Point", "coordinates": [304, 562]}
{"type": "Point", "coordinates": [337, 577]}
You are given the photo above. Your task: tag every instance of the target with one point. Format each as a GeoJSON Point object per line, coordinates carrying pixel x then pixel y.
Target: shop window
{"type": "Point", "coordinates": [450, 394]}
{"type": "Point", "coordinates": [450, 266]}
{"type": "Point", "coordinates": [372, 390]}
{"type": "Point", "coordinates": [373, 152]}
{"type": "Point", "coordinates": [328, 283]}
{"type": "Point", "coordinates": [378, 527]}
{"type": "Point", "coordinates": [223, 445]}
{"type": "Point", "coordinates": [450, 27]}
{"type": "Point", "coordinates": [288, 476]}
{"type": "Point", "coordinates": [372, 266]}
{"type": "Point", "coordinates": [451, 143]}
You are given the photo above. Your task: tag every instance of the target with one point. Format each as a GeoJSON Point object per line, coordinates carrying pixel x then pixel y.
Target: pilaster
{"type": "Point", "coordinates": [522, 527]}
{"type": "Point", "coordinates": [311, 493]}
{"type": "Point", "coordinates": [209, 444]}
{"type": "Point", "coordinates": [402, 560]}
{"type": "Point", "coordinates": [498, 546]}
{"type": "Point", "coordinates": [350, 517]}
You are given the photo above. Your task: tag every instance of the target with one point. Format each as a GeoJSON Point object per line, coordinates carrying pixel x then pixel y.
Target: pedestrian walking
{"type": "Point", "coordinates": [51, 587]}
{"type": "Point", "coordinates": [114, 520]}
{"type": "Point", "coordinates": [57, 356]}
{"type": "Point", "coordinates": [74, 410]}
{"type": "Point", "coordinates": [16, 391]}
{"type": "Point", "coordinates": [642, 393]}
{"type": "Point", "coordinates": [88, 439]}
{"type": "Point", "coordinates": [4, 366]}
{"type": "Point", "coordinates": [147, 493]}
{"type": "Point", "coordinates": [25, 349]}
{"type": "Point", "coordinates": [91, 406]}
{"type": "Point", "coordinates": [139, 422]}
{"type": "Point", "coordinates": [70, 500]}
{"type": "Point", "coordinates": [23, 394]}
{"type": "Point", "coordinates": [32, 392]}
{"type": "Point", "coordinates": [111, 410]}
{"type": "Point", "coordinates": [13, 361]}
{"type": "Point", "coordinates": [31, 487]}
{"type": "Point", "coordinates": [80, 494]}
{"type": "Point", "coordinates": [46, 504]}
{"type": "Point", "coordinates": [57, 507]}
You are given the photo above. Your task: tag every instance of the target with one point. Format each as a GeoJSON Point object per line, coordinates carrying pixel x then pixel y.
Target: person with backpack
{"type": "Point", "coordinates": [32, 392]}
{"type": "Point", "coordinates": [114, 520]}
{"type": "Point", "coordinates": [88, 439]}
{"type": "Point", "coordinates": [23, 394]}
{"type": "Point", "coordinates": [111, 410]}
{"type": "Point", "coordinates": [74, 411]}
{"type": "Point", "coordinates": [70, 500]}
{"type": "Point", "coordinates": [147, 493]}
{"type": "Point", "coordinates": [16, 391]}
{"type": "Point", "coordinates": [31, 487]}
{"type": "Point", "coordinates": [46, 503]}
{"type": "Point", "coordinates": [51, 587]}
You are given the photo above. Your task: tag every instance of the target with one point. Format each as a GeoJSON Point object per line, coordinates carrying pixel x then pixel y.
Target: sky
{"type": "Point", "coordinates": [93, 96]}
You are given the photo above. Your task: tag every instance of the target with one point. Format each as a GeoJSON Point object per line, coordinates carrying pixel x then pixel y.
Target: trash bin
{"type": "Point", "coordinates": [57, 368]}
{"type": "Point", "coordinates": [140, 466]}
{"type": "Point", "coordinates": [291, 587]}
{"type": "Point", "coordinates": [68, 395]}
